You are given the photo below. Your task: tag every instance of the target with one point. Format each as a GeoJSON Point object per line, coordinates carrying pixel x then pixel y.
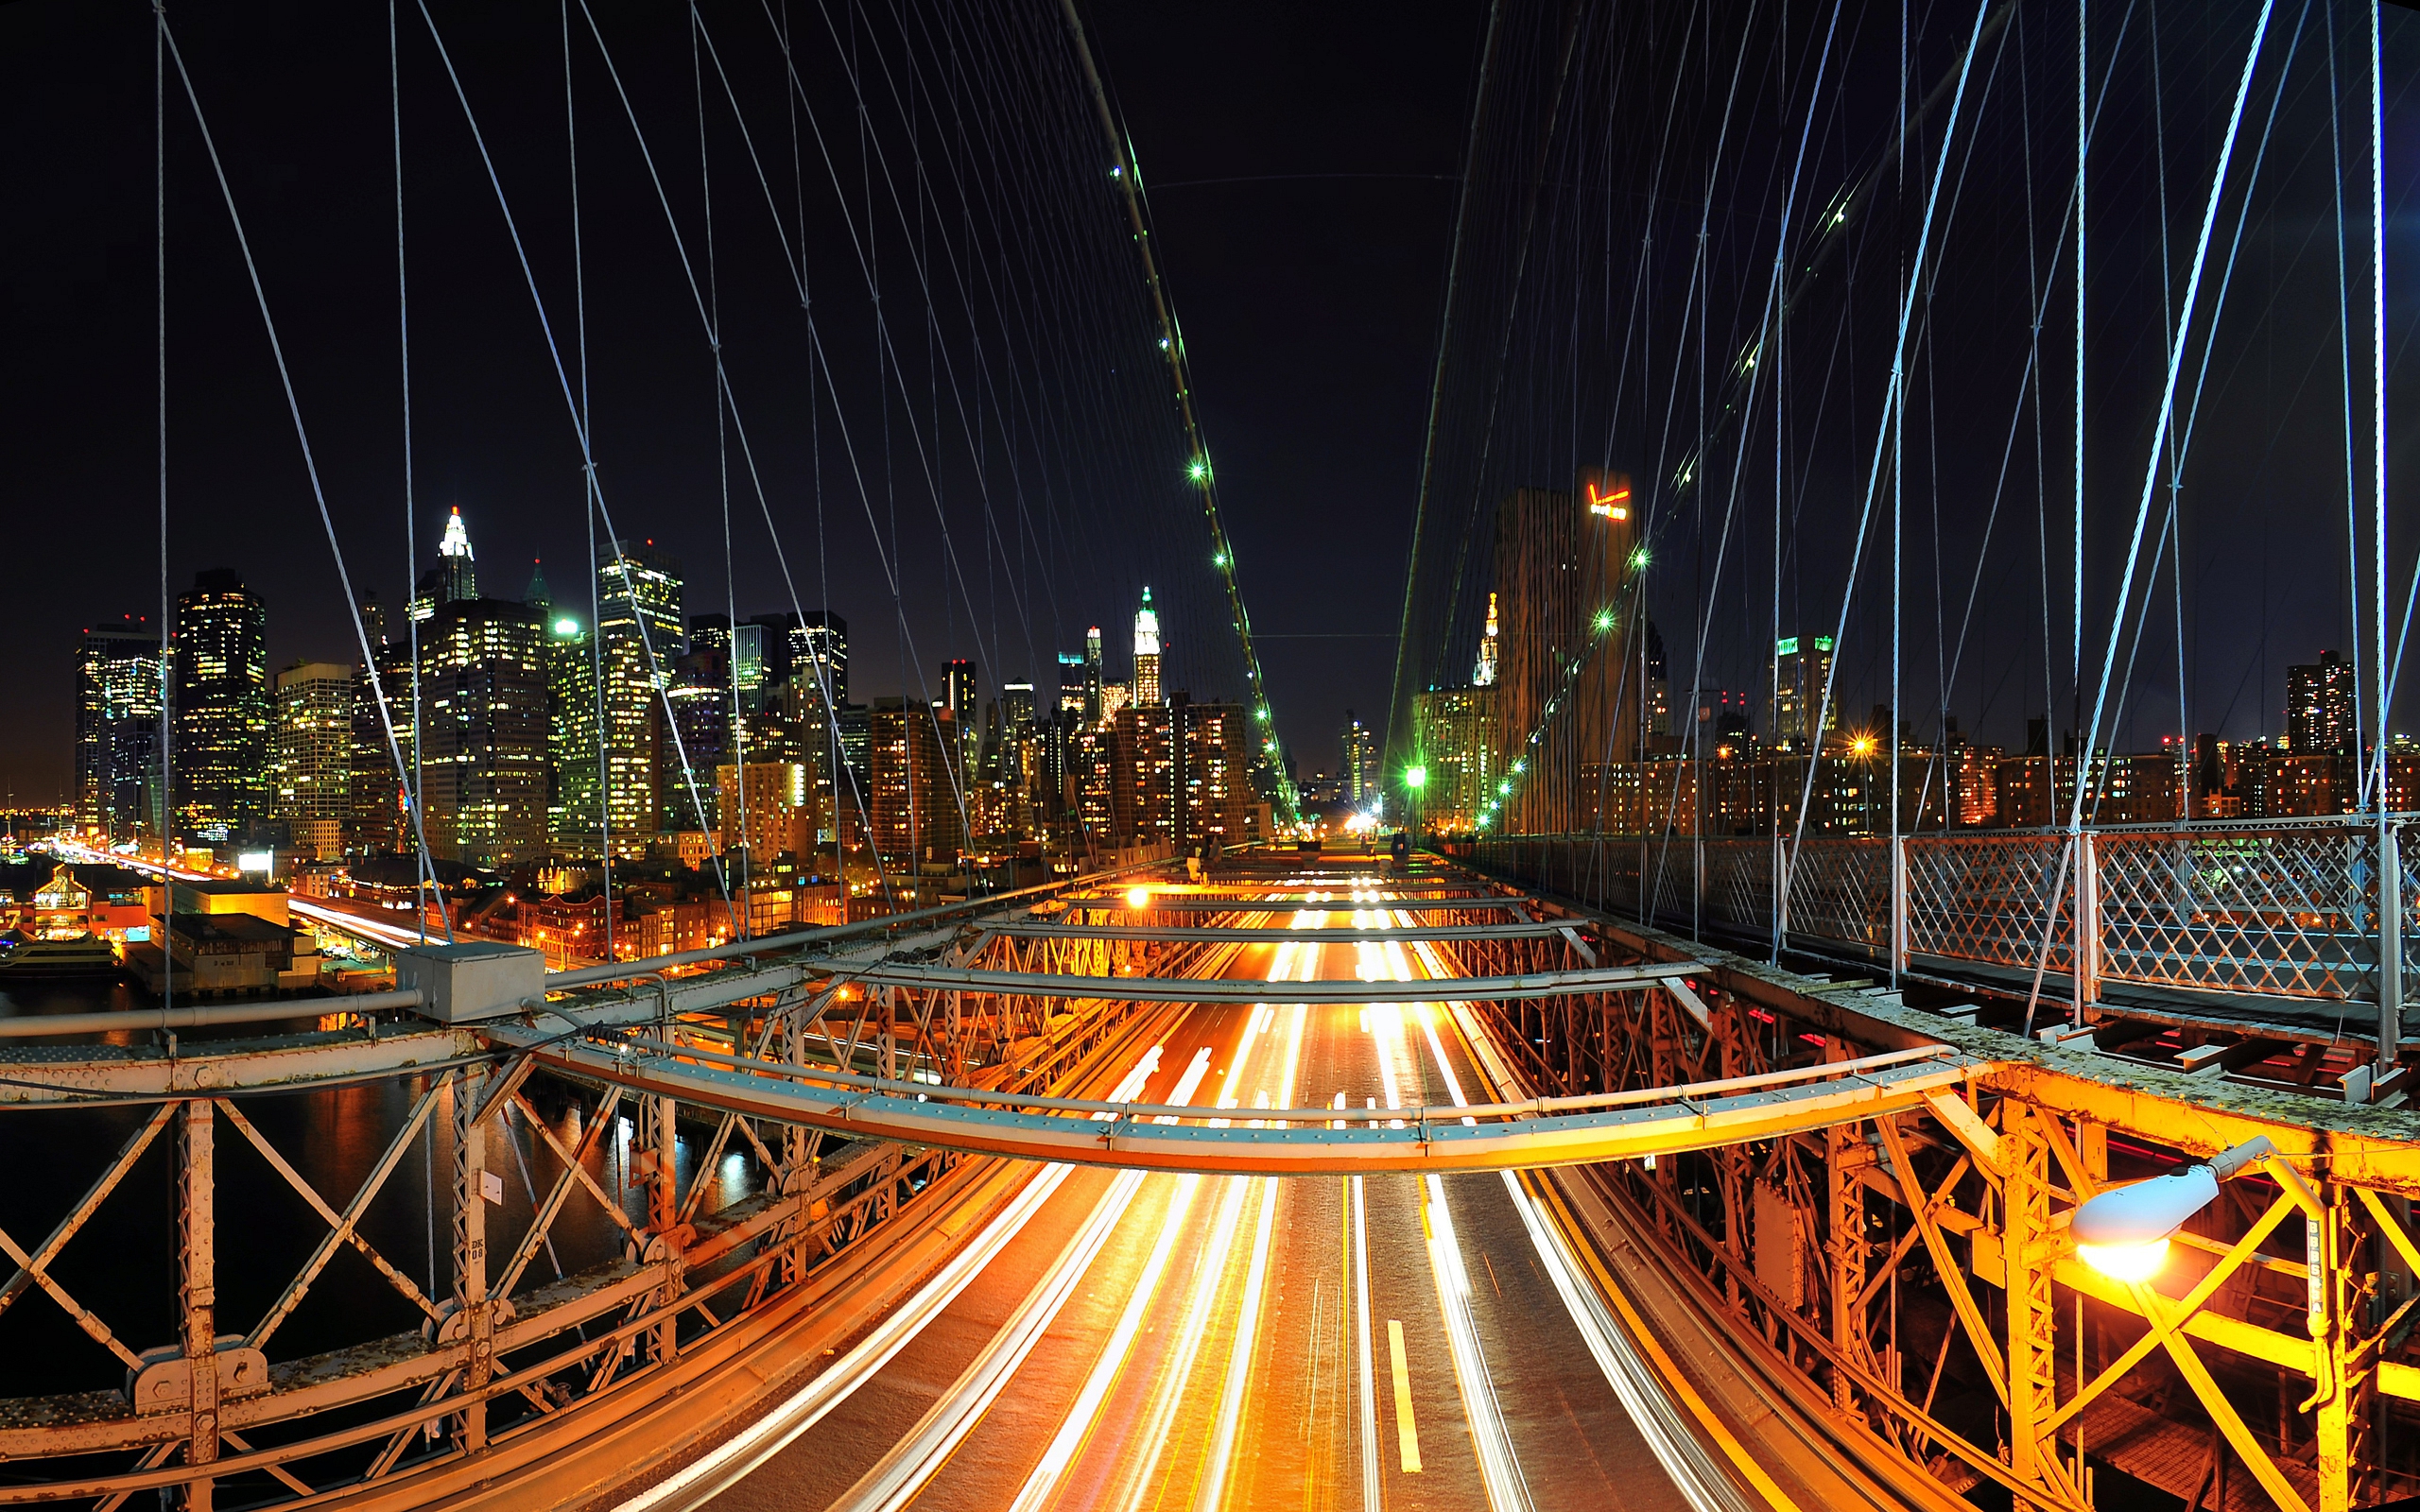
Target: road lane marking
{"type": "Point", "coordinates": [1361, 1330]}
{"type": "Point", "coordinates": [1406, 1432]}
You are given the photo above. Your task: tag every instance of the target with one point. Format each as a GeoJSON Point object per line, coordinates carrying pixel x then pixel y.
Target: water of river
{"type": "Point", "coordinates": [122, 1265]}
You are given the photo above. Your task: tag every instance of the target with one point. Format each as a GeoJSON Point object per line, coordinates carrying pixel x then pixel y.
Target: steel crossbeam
{"type": "Point", "coordinates": [1151, 989]}
{"type": "Point", "coordinates": [1278, 934]}
{"type": "Point", "coordinates": [1285, 1142]}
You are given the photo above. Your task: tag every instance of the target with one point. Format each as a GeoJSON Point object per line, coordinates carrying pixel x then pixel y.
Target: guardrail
{"type": "Point", "coordinates": [2293, 909]}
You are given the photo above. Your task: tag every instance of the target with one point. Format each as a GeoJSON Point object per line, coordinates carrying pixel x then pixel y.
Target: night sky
{"type": "Point", "coordinates": [1308, 282]}
{"type": "Point", "coordinates": [999, 440]}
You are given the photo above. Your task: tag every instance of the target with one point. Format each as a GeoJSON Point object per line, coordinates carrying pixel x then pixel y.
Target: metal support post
{"type": "Point", "coordinates": [2032, 1324]}
{"type": "Point", "coordinates": [1898, 906]}
{"type": "Point", "coordinates": [473, 1313]}
{"type": "Point", "coordinates": [2389, 945]}
{"type": "Point", "coordinates": [198, 1274]}
{"type": "Point", "coordinates": [2087, 961]}
{"type": "Point", "coordinates": [2339, 1398]}
{"type": "Point", "coordinates": [663, 1213]}
{"type": "Point", "coordinates": [1846, 1155]}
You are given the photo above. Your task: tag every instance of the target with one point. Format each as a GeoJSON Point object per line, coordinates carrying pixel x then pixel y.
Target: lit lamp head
{"type": "Point", "coordinates": [2124, 1232]}
{"type": "Point", "coordinates": [1415, 777]}
{"type": "Point", "coordinates": [1138, 897]}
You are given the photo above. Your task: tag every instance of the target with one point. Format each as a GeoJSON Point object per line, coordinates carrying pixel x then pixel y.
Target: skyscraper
{"type": "Point", "coordinates": [820, 654]}
{"type": "Point", "coordinates": [916, 818]}
{"type": "Point", "coordinates": [2320, 713]}
{"type": "Point", "coordinates": [376, 820]}
{"type": "Point", "coordinates": [1801, 666]}
{"type": "Point", "coordinates": [1074, 683]}
{"type": "Point", "coordinates": [313, 767]}
{"type": "Point", "coordinates": [699, 707]}
{"type": "Point", "coordinates": [117, 731]}
{"type": "Point", "coordinates": [1147, 653]}
{"type": "Point", "coordinates": [1093, 709]}
{"type": "Point", "coordinates": [573, 817]}
{"type": "Point", "coordinates": [485, 760]}
{"type": "Point", "coordinates": [639, 636]}
{"type": "Point", "coordinates": [1483, 671]}
{"type": "Point", "coordinates": [958, 693]}
{"type": "Point", "coordinates": [1359, 769]}
{"type": "Point", "coordinates": [222, 706]}
{"type": "Point", "coordinates": [455, 577]}
{"type": "Point", "coordinates": [1146, 799]}
{"type": "Point", "coordinates": [1453, 737]}
{"type": "Point", "coordinates": [1562, 562]}
{"type": "Point", "coordinates": [1214, 782]}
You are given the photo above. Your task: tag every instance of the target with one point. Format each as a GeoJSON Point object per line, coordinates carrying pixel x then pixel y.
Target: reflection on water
{"type": "Point", "coordinates": [67, 996]}
{"type": "Point", "coordinates": [122, 1264]}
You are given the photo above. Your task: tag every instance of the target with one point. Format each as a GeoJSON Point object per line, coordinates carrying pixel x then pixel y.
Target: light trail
{"type": "Point", "coordinates": [1175, 1377]}
{"type": "Point", "coordinates": [739, 1455]}
{"type": "Point", "coordinates": [1507, 1489]}
{"type": "Point", "coordinates": [901, 1474]}
{"type": "Point", "coordinates": [1231, 1404]}
{"type": "Point", "coordinates": [1643, 1395]}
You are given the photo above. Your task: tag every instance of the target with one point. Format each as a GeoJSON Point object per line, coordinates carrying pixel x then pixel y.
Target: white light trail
{"type": "Point", "coordinates": [1507, 1489]}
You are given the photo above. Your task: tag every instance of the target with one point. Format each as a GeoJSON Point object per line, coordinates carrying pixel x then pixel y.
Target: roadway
{"type": "Point", "coordinates": [1161, 1342]}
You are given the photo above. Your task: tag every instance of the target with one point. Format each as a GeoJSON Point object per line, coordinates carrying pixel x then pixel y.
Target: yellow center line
{"type": "Point", "coordinates": [1406, 1434]}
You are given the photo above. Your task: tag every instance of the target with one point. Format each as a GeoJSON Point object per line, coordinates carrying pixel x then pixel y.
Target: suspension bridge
{"type": "Point", "coordinates": [1673, 1088]}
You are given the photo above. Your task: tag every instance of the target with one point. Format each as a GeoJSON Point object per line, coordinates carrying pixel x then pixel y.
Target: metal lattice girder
{"type": "Point", "coordinates": [1334, 903]}
{"type": "Point", "coordinates": [1288, 1141]}
{"type": "Point", "coordinates": [1246, 989]}
{"type": "Point", "coordinates": [1279, 934]}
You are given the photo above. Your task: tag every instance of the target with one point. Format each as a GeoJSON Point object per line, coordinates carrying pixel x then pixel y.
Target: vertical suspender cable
{"type": "Point", "coordinates": [167, 681]}
{"type": "Point", "coordinates": [2088, 734]}
{"type": "Point", "coordinates": [293, 406]}
{"type": "Point", "coordinates": [424, 868]}
{"type": "Point", "coordinates": [738, 744]}
{"type": "Point", "coordinates": [2390, 965]}
{"type": "Point", "coordinates": [588, 497]}
{"type": "Point", "coordinates": [2075, 659]}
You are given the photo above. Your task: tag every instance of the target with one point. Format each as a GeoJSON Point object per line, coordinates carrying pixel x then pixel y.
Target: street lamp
{"type": "Point", "coordinates": [1138, 897]}
{"type": "Point", "coordinates": [2124, 1232]}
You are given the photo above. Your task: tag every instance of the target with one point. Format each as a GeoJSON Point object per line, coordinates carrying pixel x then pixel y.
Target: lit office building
{"type": "Point", "coordinates": [1213, 780]}
{"type": "Point", "coordinates": [1801, 665]}
{"type": "Point", "coordinates": [2321, 717]}
{"type": "Point", "coordinates": [223, 707]}
{"type": "Point", "coordinates": [1145, 794]}
{"type": "Point", "coordinates": [777, 812]}
{"type": "Point", "coordinates": [914, 799]}
{"type": "Point", "coordinates": [1561, 561]}
{"type": "Point", "coordinates": [376, 798]}
{"type": "Point", "coordinates": [959, 693]}
{"type": "Point", "coordinates": [1147, 653]}
{"type": "Point", "coordinates": [573, 814]}
{"type": "Point", "coordinates": [118, 731]}
{"type": "Point", "coordinates": [1453, 738]}
{"type": "Point", "coordinates": [455, 578]}
{"type": "Point", "coordinates": [639, 636]}
{"type": "Point", "coordinates": [1360, 770]}
{"type": "Point", "coordinates": [1094, 710]}
{"type": "Point", "coordinates": [485, 740]}
{"type": "Point", "coordinates": [312, 773]}
{"type": "Point", "coordinates": [693, 737]}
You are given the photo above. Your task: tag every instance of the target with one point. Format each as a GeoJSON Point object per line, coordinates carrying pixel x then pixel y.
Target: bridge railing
{"type": "Point", "coordinates": [2283, 908]}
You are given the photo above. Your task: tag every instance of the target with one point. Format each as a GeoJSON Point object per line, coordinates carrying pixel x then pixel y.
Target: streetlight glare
{"type": "Point", "coordinates": [1415, 777]}
{"type": "Point", "coordinates": [1138, 897]}
{"type": "Point", "coordinates": [2125, 1263]}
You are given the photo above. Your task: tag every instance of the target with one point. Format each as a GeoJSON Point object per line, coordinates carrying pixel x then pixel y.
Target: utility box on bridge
{"type": "Point", "coordinates": [474, 980]}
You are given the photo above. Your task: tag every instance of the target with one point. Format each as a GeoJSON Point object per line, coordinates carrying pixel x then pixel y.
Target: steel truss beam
{"type": "Point", "coordinates": [1288, 1141]}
